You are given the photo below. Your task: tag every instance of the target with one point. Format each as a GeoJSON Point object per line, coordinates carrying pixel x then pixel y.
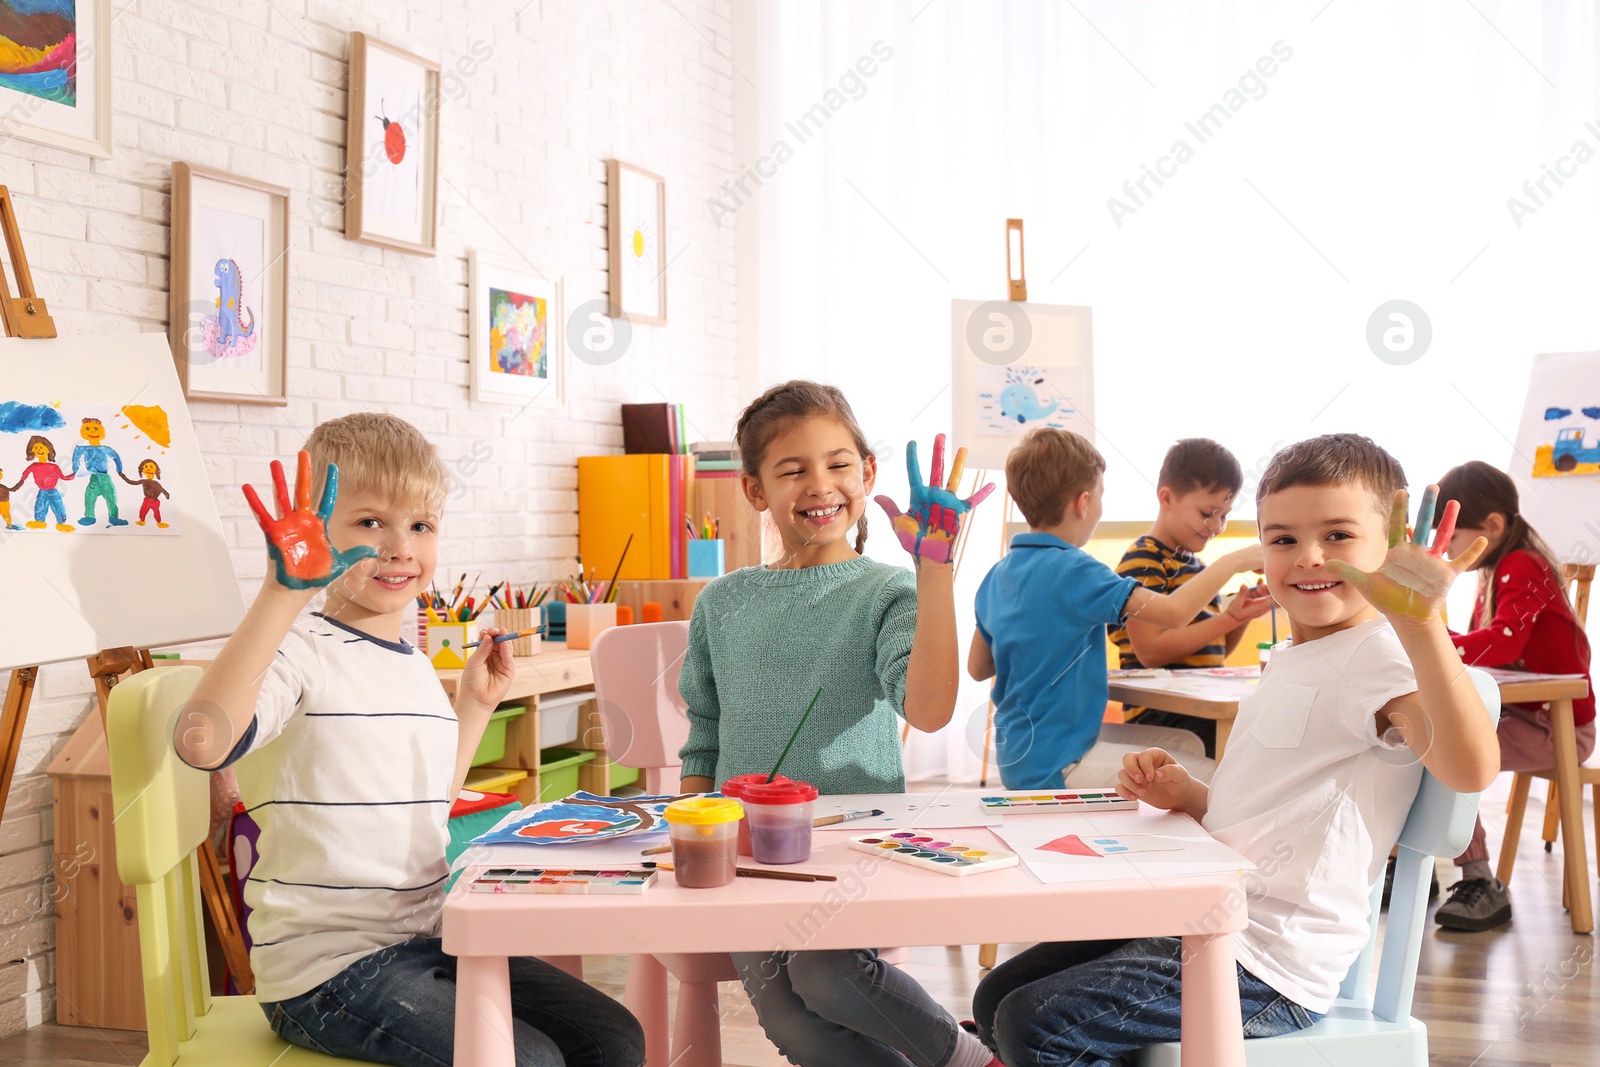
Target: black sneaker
{"type": "Point", "coordinates": [1475, 904]}
{"type": "Point", "coordinates": [1388, 882]}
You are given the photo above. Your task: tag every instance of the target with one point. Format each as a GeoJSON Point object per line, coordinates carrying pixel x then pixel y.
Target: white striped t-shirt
{"type": "Point", "coordinates": [347, 776]}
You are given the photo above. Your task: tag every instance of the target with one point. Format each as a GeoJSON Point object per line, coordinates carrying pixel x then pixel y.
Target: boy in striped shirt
{"type": "Point", "coordinates": [351, 757]}
{"type": "Point", "coordinates": [1196, 488]}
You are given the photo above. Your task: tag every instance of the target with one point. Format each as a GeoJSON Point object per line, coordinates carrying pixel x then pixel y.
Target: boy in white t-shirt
{"type": "Point", "coordinates": [352, 756]}
{"type": "Point", "coordinates": [1319, 774]}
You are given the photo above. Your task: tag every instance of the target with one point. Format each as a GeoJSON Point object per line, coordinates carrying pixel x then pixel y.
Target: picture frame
{"type": "Point", "coordinates": [515, 324]}
{"type": "Point", "coordinates": [392, 148]}
{"type": "Point", "coordinates": [61, 95]}
{"type": "Point", "coordinates": [636, 217]}
{"type": "Point", "coordinates": [228, 309]}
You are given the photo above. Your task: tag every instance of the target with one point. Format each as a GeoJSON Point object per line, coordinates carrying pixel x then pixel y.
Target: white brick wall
{"type": "Point", "coordinates": [259, 89]}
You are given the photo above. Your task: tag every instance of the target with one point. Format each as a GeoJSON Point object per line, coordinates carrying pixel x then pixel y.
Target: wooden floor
{"type": "Point", "coordinates": [1525, 995]}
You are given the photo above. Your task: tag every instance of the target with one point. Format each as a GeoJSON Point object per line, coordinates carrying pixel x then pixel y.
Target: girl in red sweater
{"type": "Point", "coordinates": [1521, 621]}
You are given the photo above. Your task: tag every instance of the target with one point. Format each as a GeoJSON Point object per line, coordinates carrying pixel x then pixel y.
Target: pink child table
{"type": "Point", "coordinates": [874, 902]}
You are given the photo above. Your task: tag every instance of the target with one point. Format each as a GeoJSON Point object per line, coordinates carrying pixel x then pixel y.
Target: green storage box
{"type": "Point", "coordinates": [558, 772]}
{"type": "Point", "coordinates": [493, 745]}
{"type": "Point", "coordinates": [621, 776]}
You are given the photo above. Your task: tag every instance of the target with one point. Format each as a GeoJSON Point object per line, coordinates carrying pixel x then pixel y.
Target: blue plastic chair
{"type": "Point", "coordinates": [1374, 1028]}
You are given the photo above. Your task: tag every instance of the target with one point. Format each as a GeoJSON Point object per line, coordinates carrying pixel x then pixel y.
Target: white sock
{"type": "Point", "coordinates": [1477, 869]}
{"type": "Point", "coordinates": [970, 1052]}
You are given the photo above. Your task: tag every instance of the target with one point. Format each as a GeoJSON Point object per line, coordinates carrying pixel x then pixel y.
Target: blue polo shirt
{"type": "Point", "coordinates": [1043, 609]}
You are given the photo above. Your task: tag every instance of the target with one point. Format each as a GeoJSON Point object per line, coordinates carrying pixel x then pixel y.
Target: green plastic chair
{"type": "Point", "coordinates": [162, 812]}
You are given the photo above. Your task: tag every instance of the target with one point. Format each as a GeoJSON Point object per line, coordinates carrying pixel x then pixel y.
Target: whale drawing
{"type": "Point", "coordinates": [1020, 402]}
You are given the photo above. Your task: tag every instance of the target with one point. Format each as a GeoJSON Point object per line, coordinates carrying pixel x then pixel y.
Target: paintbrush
{"type": "Point", "coordinates": [757, 872]}
{"type": "Point", "coordinates": [611, 593]}
{"type": "Point", "coordinates": [794, 735]}
{"type": "Point", "coordinates": [831, 820]}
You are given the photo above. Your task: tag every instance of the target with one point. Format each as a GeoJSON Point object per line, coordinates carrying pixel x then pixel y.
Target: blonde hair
{"type": "Point", "coordinates": [1048, 470]}
{"type": "Point", "coordinates": [382, 454]}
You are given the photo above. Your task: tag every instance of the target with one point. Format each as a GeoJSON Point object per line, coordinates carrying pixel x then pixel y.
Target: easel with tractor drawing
{"type": "Point", "coordinates": [26, 316]}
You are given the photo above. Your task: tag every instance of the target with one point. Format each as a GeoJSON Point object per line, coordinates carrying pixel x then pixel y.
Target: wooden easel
{"type": "Point", "coordinates": [27, 316]}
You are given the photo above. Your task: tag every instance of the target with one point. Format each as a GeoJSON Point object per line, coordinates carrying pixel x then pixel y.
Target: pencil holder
{"type": "Point", "coordinates": [554, 617]}
{"type": "Point", "coordinates": [585, 621]}
{"type": "Point", "coordinates": [706, 558]}
{"type": "Point", "coordinates": [514, 619]}
{"type": "Point", "coordinates": [447, 643]}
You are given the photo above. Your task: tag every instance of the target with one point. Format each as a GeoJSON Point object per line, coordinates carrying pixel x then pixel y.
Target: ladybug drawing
{"type": "Point", "coordinates": [394, 138]}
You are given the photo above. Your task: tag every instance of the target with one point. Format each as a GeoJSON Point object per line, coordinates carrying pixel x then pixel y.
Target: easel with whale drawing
{"type": "Point", "coordinates": [1016, 365]}
{"type": "Point", "coordinates": [100, 588]}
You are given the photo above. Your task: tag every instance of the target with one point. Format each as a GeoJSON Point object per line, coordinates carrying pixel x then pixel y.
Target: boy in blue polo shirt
{"type": "Point", "coordinates": [1042, 613]}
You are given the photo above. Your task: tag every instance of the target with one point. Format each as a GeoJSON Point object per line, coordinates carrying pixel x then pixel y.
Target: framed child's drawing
{"type": "Point", "coordinates": [109, 533]}
{"type": "Point", "coordinates": [1017, 366]}
{"type": "Point", "coordinates": [515, 322]}
{"type": "Point", "coordinates": [55, 73]}
{"type": "Point", "coordinates": [230, 286]}
{"type": "Point", "coordinates": [637, 224]}
{"type": "Point", "coordinates": [392, 148]}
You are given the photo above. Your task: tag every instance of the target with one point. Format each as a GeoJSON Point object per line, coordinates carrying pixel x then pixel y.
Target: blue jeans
{"type": "Point", "coordinates": [398, 1006]}
{"type": "Point", "coordinates": [845, 1006]}
{"type": "Point", "coordinates": [1087, 1003]}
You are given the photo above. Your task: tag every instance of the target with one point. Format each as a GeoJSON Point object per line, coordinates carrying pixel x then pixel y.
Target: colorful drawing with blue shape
{"type": "Point", "coordinates": [1019, 401]}
{"type": "Point", "coordinates": [517, 331]}
{"type": "Point", "coordinates": [96, 460]}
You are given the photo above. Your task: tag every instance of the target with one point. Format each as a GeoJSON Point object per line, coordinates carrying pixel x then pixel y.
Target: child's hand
{"type": "Point", "coordinates": [489, 669]}
{"type": "Point", "coordinates": [297, 540]}
{"type": "Point", "coordinates": [1413, 580]}
{"type": "Point", "coordinates": [929, 526]}
{"type": "Point", "coordinates": [1154, 777]}
{"type": "Point", "coordinates": [1251, 602]}
{"type": "Point", "coordinates": [1240, 560]}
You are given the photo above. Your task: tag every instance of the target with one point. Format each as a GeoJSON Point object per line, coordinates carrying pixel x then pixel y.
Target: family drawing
{"type": "Point", "coordinates": [94, 459]}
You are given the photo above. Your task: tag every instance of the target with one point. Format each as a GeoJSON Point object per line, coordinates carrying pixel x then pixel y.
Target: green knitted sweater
{"type": "Point", "coordinates": [762, 641]}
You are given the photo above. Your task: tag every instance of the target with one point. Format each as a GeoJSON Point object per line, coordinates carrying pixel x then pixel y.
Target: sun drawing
{"type": "Point", "coordinates": [642, 239]}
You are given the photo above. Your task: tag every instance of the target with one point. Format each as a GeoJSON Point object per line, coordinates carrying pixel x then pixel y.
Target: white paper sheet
{"type": "Point", "coordinates": [906, 811]}
{"type": "Point", "coordinates": [1141, 845]}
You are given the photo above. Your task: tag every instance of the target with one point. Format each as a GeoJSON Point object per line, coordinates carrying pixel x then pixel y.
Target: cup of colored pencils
{"type": "Point", "coordinates": [514, 620]}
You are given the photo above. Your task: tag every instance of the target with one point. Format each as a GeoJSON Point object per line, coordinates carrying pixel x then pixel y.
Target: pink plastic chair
{"type": "Point", "coordinates": [645, 722]}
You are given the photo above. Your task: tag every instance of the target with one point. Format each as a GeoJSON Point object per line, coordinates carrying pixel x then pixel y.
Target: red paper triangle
{"type": "Point", "coordinates": [1071, 845]}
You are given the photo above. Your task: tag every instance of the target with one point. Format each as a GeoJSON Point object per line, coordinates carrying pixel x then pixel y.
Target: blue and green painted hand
{"type": "Point", "coordinates": [929, 526]}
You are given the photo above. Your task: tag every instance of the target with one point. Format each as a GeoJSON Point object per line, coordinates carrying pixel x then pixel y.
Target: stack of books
{"type": "Point", "coordinates": [715, 459]}
{"type": "Point", "coordinates": [653, 429]}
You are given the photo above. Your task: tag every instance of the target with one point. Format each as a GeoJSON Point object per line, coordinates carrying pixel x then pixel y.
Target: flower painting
{"type": "Point", "coordinates": [515, 322]}
{"type": "Point", "coordinates": [517, 334]}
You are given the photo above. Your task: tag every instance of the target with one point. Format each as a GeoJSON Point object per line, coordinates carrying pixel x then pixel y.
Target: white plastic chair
{"type": "Point", "coordinates": [1375, 1028]}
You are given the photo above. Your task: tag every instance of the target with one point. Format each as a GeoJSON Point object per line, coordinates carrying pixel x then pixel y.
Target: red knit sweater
{"type": "Point", "coordinates": [1533, 628]}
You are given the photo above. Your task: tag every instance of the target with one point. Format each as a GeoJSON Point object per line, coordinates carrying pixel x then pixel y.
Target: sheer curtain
{"type": "Point", "coordinates": [1235, 188]}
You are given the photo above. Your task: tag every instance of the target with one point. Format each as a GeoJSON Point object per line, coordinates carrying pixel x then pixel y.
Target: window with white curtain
{"type": "Point", "coordinates": [1234, 188]}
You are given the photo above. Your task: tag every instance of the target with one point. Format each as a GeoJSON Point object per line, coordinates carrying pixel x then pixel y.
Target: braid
{"type": "Point", "coordinates": [861, 532]}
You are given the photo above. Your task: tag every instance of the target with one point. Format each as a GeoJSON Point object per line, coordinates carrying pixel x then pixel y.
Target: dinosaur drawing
{"type": "Point", "coordinates": [231, 327]}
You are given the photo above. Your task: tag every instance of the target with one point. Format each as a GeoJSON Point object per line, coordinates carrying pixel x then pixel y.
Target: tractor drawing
{"type": "Point", "coordinates": [1569, 450]}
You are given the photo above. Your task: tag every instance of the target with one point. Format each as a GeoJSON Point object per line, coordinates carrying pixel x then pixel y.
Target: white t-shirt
{"type": "Point", "coordinates": [1310, 793]}
{"type": "Point", "coordinates": [347, 776]}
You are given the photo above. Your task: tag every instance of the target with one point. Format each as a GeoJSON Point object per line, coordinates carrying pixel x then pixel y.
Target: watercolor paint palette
{"type": "Point", "coordinates": [564, 880]}
{"type": "Point", "coordinates": [935, 851]}
{"type": "Point", "coordinates": [1058, 802]}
